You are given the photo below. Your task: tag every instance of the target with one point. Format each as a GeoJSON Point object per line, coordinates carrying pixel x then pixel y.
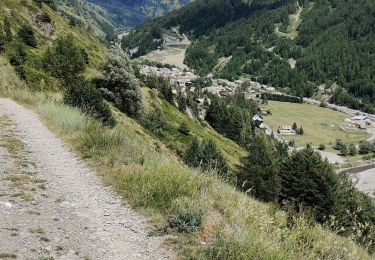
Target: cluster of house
{"type": "Point", "coordinates": [219, 87]}
{"type": "Point", "coordinates": [176, 75]}
{"type": "Point", "coordinates": [222, 88]}
{"type": "Point", "coordinates": [360, 121]}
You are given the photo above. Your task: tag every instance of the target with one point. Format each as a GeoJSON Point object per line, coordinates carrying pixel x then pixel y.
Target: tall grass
{"type": "Point", "coordinates": [212, 219]}
{"type": "Point", "coordinates": [68, 119]}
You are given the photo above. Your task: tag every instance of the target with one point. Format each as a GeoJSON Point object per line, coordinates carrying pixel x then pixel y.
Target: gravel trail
{"type": "Point", "coordinates": [53, 207]}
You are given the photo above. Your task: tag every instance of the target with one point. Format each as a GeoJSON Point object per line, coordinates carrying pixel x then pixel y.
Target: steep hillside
{"type": "Point", "coordinates": [178, 141]}
{"type": "Point", "coordinates": [208, 219]}
{"type": "Point", "coordinates": [105, 18]}
{"type": "Point", "coordinates": [326, 39]}
{"type": "Point", "coordinates": [133, 135]}
{"type": "Point", "coordinates": [46, 25]}
{"type": "Point", "coordinates": [131, 13]}
{"type": "Point", "coordinates": [90, 16]}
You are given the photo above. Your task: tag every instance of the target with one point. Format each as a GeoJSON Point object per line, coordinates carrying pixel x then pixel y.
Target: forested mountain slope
{"type": "Point", "coordinates": [333, 41]}
{"type": "Point", "coordinates": [129, 13]}
{"type": "Point", "coordinates": [105, 18]}
{"type": "Point", "coordinates": [91, 16]}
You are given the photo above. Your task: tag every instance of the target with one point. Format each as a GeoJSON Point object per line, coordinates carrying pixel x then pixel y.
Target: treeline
{"type": "Point", "coordinates": [340, 47]}
{"type": "Point", "coordinates": [332, 45]}
{"type": "Point", "coordinates": [247, 41]}
{"type": "Point", "coordinates": [143, 40]}
{"type": "Point", "coordinates": [282, 98]}
{"type": "Point", "coordinates": [232, 117]}
{"type": "Point", "coordinates": [304, 183]}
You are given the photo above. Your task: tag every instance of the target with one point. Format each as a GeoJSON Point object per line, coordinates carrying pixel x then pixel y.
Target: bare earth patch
{"type": "Point", "coordinates": [170, 55]}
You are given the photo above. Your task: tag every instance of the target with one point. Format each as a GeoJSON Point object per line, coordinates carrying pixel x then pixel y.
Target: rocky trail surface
{"type": "Point", "coordinates": [53, 207]}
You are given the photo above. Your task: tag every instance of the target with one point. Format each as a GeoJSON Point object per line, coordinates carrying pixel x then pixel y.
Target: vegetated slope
{"type": "Point", "coordinates": [47, 25]}
{"type": "Point", "coordinates": [91, 16]}
{"type": "Point", "coordinates": [334, 43]}
{"type": "Point", "coordinates": [208, 218]}
{"type": "Point", "coordinates": [127, 13]}
{"type": "Point", "coordinates": [178, 141]}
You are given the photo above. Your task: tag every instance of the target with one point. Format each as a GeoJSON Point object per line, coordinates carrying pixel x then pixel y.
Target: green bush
{"type": "Point", "coordinates": [353, 150]}
{"type": "Point", "coordinates": [118, 83]}
{"type": "Point", "coordinates": [155, 122]}
{"type": "Point", "coordinates": [184, 129]}
{"type": "Point", "coordinates": [64, 60]}
{"type": "Point", "coordinates": [17, 56]}
{"type": "Point", "coordinates": [27, 36]}
{"type": "Point", "coordinates": [205, 155]}
{"type": "Point", "coordinates": [188, 215]}
{"type": "Point", "coordinates": [83, 95]}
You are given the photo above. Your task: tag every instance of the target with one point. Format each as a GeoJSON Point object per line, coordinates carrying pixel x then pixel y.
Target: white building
{"type": "Point", "coordinates": [258, 122]}
{"type": "Point", "coordinates": [286, 130]}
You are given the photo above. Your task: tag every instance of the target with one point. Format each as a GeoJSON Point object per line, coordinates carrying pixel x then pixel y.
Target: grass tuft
{"type": "Point", "coordinates": [66, 118]}
{"type": "Point", "coordinates": [7, 255]}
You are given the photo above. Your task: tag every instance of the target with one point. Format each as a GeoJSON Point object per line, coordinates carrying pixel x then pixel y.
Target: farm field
{"type": "Point", "coordinates": [320, 125]}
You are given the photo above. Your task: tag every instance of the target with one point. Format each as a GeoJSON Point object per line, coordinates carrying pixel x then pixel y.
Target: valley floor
{"type": "Point", "coordinates": [55, 205]}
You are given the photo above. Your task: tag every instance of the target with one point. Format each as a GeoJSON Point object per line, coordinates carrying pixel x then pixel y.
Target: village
{"type": "Point", "coordinates": [220, 87]}
{"type": "Point", "coordinates": [183, 80]}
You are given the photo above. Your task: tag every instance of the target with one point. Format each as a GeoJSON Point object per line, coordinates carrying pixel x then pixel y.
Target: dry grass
{"type": "Point", "coordinates": [23, 195]}
{"type": "Point", "coordinates": [37, 230]}
{"type": "Point", "coordinates": [7, 255]}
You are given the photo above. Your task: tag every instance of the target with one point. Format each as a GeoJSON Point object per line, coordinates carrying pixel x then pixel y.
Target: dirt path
{"type": "Point", "coordinates": [53, 207]}
{"type": "Point", "coordinates": [294, 22]}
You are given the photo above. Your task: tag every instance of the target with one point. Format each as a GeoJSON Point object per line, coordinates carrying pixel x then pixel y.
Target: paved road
{"type": "Point", "coordinates": [366, 181]}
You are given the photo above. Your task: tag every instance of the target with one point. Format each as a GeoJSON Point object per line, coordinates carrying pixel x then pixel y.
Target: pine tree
{"type": "Point", "coordinates": [216, 115]}
{"type": "Point", "coordinates": [300, 131]}
{"type": "Point", "coordinates": [344, 150]}
{"type": "Point", "coordinates": [260, 174]}
{"type": "Point", "coordinates": [27, 36]}
{"type": "Point", "coordinates": [295, 126]}
{"type": "Point", "coordinates": [192, 156]}
{"type": "Point", "coordinates": [212, 159]}
{"type": "Point", "coordinates": [235, 124]}
{"type": "Point", "coordinates": [309, 181]}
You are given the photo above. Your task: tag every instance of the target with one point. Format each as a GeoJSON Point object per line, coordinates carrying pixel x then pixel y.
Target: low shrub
{"type": "Point", "coordinates": [83, 95]}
